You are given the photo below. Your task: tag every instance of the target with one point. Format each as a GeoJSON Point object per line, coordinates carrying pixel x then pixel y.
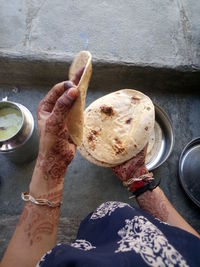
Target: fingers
{"type": "Point", "coordinates": [48, 103]}
{"type": "Point", "coordinates": [77, 76]}
{"type": "Point", "coordinates": [64, 103]}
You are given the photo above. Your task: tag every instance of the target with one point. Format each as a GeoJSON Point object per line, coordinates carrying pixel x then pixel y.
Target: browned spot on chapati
{"type": "Point", "coordinates": [128, 121]}
{"type": "Point", "coordinates": [135, 99]}
{"type": "Point", "coordinates": [107, 110]}
{"type": "Point", "coordinates": [146, 128]}
{"type": "Point", "coordinates": [95, 132]}
{"type": "Point", "coordinates": [92, 137]}
{"type": "Point", "coordinates": [148, 108]}
{"type": "Point", "coordinates": [118, 147]}
{"type": "Point", "coordinates": [135, 146]}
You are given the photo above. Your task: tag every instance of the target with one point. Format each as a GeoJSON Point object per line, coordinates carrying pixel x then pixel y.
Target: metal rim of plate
{"type": "Point", "coordinates": [189, 168]}
{"type": "Point", "coordinates": [167, 142]}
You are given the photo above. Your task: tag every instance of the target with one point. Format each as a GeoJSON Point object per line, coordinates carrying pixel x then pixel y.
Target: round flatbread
{"type": "Point", "coordinates": [75, 118]}
{"type": "Point", "coordinates": [117, 126]}
{"type": "Point", "coordinates": [87, 156]}
{"type": "Point", "coordinates": [154, 145]}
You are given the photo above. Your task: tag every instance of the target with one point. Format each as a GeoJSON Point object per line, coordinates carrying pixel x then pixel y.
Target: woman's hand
{"type": "Point", "coordinates": [133, 168]}
{"type": "Point", "coordinates": [52, 111]}
{"type": "Point", "coordinates": [52, 129]}
{"type": "Point", "coordinates": [36, 231]}
{"type": "Point", "coordinates": [56, 149]}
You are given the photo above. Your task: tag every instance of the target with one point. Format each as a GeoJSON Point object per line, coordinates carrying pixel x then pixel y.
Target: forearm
{"type": "Point", "coordinates": [36, 230]}
{"type": "Point", "coordinates": [156, 203]}
{"type": "Point", "coordinates": [34, 235]}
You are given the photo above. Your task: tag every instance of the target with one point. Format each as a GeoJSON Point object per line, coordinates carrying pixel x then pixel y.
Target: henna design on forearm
{"type": "Point", "coordinates": [23, 216]}
{"type": "Point", "coordinates": [53, 168]}
{"type": "Point", "coordinates": [38, 221]}
{"type": "Point", "coordinates": [154, 204]}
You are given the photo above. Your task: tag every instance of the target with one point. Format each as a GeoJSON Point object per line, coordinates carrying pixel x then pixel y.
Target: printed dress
{"type": "Point", "coordinates": [117, 235]}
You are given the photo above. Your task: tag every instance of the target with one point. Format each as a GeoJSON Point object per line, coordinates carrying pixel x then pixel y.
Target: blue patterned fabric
{"type": "Point", "coordinates": [117, 235]}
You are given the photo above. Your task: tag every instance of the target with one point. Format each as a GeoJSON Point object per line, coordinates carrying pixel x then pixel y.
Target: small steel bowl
{"type": "Point", "coordinates": [167, 141]}
{"type": "Point", "coordinates": [23, 145]}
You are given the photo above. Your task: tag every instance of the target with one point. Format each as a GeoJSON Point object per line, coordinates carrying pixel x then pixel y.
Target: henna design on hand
{"type": "Point", "coordinates": [134, 167]}
{"type": "Point", "coordinates": [38, 221]}
{"type": "Point", "coordinates": [54, 125]}
{"type": "Point", "coordinates": [48, 102]}
{"type": "Point", "coordinates": [53, 167]}
{"type": "Point", "coordinates": [56, 148]}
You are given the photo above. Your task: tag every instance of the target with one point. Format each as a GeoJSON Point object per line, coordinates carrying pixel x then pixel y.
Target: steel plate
{"type": "Point", "coordinates": [166, 143]}
{"type": "Point", "coordinates": [189, 170]}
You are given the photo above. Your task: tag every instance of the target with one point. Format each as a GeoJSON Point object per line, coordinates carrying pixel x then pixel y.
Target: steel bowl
{"type": "Point", "coordinates": [189, 170]}
{"type": "Point", "coordinates": [167, 140]}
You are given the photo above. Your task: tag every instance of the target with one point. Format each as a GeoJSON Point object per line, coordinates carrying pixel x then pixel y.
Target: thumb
{"type": "Point", "coordinates": [64, 102]}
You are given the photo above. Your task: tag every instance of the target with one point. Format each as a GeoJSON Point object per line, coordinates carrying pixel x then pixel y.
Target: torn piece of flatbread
{"type": "Point", "coordinates": [75, 118]}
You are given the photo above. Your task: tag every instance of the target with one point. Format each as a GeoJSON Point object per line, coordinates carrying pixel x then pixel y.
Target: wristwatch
{"type": "Point", "coordinates": [150, 186]}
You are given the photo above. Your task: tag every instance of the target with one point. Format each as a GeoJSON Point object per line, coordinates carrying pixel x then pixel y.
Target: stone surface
{"type": "Point", "coordinates": [146, 33]}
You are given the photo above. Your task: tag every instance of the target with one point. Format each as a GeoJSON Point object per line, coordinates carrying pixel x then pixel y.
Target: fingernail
{"type": "Point", "coordinates": [73, 93]}
{"type": "Point", "coordinates": [68, 85]}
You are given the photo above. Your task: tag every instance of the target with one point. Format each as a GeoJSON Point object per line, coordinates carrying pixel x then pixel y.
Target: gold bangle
{"type": "Point", "coordinates": [43, 202]}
